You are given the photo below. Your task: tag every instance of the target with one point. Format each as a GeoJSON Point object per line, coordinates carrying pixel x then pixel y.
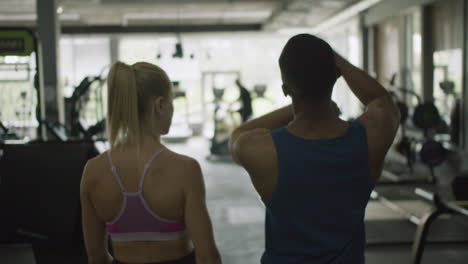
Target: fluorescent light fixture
{"type": "Point", "coordinates": [168, 16]}
{"type": "Point", "coordinates": [33, 17]}
{"type": "Point", "coordinates": [344, 15]}
{"type": "Point", "coordinates": [163, 16]}
{"type": "Point", "coordinates": [24, 17]}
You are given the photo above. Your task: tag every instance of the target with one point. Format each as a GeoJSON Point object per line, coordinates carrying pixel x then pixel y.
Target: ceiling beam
{"type": "Point", "coordinates": [345, 14]}
{"type": "Point", "coordinates": [281, 7]}
{"type": "Point", "coordinates": [159, 29]}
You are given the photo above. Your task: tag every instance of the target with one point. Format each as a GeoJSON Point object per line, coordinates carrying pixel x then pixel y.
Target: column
{"type": "Point", "coordinates": [50, 88]}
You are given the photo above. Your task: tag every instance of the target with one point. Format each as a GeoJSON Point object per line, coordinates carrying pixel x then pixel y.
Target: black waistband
{"type": "Point", "coordinates": [189, 259]}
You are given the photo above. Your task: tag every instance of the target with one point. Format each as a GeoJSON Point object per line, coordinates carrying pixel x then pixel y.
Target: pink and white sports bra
{"type": "Point", "coordinates": [136, 221]}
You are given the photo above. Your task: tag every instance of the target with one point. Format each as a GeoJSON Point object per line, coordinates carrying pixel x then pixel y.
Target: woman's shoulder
{"type": "Point", "coordinates": [182, 161]}
{"type": "Point", "coordinates": [94, 167]}
{"type": "Point", "coordinates": [98, 162]}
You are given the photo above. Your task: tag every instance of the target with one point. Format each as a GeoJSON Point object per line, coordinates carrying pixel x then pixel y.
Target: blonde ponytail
{"type": "Point", "coordinates": [123, 117]}
{"type": "Point", "coordinates": [130, 90]}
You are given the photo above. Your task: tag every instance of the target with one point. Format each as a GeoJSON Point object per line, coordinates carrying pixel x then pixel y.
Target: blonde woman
{"type": "Point", "coordinates": [148, 199]}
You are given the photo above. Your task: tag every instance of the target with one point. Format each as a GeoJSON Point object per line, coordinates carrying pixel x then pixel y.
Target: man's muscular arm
{"type": "Point", "coordinates": [381, 117]}
{"type": "Point", "coordinates": [264, 124]}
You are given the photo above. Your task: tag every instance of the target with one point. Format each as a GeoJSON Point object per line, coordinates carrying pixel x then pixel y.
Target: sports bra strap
{"type": "Point", "coordinates": [147, 166]}
{"type": "Point", "coordinates": [114, 171]}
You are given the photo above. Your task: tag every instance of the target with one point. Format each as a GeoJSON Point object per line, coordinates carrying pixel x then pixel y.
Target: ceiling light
{"type": "Point", "coordinates": [25, 17]}
{"type": "Point", "coordinates": [60, 10]}
{"type": "Point", "coordinates": [33, 17]}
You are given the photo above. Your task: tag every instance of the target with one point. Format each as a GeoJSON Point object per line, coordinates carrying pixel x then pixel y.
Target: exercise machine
{"type": "Point", "coordinates": [5, 133]}
{"type": "Point", "coordinates": [217, 83]}
{"type": "Point", "coordinates": [180, 130]}
{"type": "Point", "coordinates": [426, 118]}
{"type": "Point", "coordinates": [75, 106]}
{"type": "Point", "coordinates": [223, 113]}
{"type": "Point", "coordinates": [220, 140]}
{"type": "Point", "coordinates": [40, 191]}
{"type": "Point", "coordinates": [40, 179]}
{"type": "Point", "coordinates": [261, 103]}
{"type": "Point", "coordinates": [455, 205]}
{"type": "Point", "coordinates": [17, 68]}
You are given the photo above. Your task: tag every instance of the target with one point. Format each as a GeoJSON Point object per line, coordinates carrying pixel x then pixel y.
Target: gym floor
{"type": "Point", "coordinates": [238, 218]}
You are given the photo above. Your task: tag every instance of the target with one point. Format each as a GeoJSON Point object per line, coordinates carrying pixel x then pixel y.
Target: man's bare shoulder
{"type": "Point", "coordinates": [255, 139]}
{"type": "Point", "coordinates": [254, 147]}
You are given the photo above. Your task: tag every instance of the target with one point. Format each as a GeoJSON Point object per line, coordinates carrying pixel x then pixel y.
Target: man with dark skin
{"type": "Point", "coordinates": [313, 170]}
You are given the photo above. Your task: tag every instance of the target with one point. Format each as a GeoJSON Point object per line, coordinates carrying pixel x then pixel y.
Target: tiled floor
{"type": "Point", "coordinates": [235, 208]}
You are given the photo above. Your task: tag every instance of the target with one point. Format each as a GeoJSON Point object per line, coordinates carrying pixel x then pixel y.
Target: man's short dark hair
{"type": "Point", "coordinates": [308, 65]}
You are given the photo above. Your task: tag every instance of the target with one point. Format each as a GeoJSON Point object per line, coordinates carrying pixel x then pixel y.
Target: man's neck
{"type": "Point", "coordinates": [316, 112]}
{"type": "Point", "coordinates": [315, 117]}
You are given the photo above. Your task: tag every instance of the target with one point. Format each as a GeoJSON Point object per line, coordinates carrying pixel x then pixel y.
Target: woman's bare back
{"type": "Point", "coordinates": [163, 189]}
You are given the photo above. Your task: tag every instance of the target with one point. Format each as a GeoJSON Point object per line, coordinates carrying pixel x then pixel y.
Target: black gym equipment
{"type": "Point", "coordinates": [74, 130]}
{"type": "Point", "coordinates": [75, 105]}
{"type": "Point", "coordinates": [222, 111]}
{"type": "Point", "coordinates": [259, 97]}
{"type": "Point", "coordinates": [449, 230]}
{"type": "Point", "coordinates": [425, 117]}
{"type": "Point", "coordinates": [404, 145]}
{"type": "Point", "coordinates": [246, 99]}
{"type": "Point", "coordinates": [40, 179]}
{"type": "Point", "coordinates": [219, 141]}
{"type": "Point", "coordinates": [455, 123]}
{"type": "Point", "coordinates": [433, 153]}
{"type": "Point", "coordinates": [440, 207]}
{"type": "Point", "coordinates": [404, 112]}
{"type": "Point", "coordinates": [402, 106]}
{"type": "Point", "coordinates": [448, 87]}
{"type": "Point", "coordinates": [39, 194]}
{"type": "Point", "coordinates": [460, 187]}
{"type": "Point", "coordinates": [428, 151]}
{"type": "Point", "coordinates": [6, 134]}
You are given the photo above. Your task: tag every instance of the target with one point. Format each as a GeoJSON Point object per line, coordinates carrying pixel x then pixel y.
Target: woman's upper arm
{"type": "Point", "coordinates": [95, 236]}
{"type": "Point", "coordinates": [197, 218]}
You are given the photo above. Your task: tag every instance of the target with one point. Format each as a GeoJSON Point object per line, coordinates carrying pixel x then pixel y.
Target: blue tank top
{"type": "Point", "coordinates": [316, 213]}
